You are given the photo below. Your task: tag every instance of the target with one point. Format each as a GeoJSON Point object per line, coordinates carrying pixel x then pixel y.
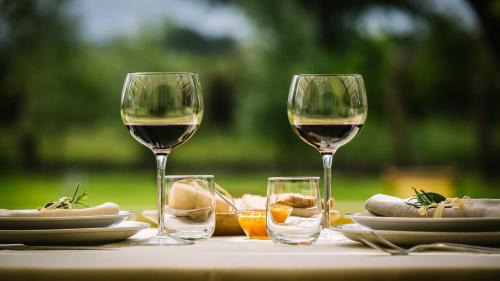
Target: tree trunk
{"type": "Point", "coordinates": [396, 108]}
{"type": "Point", "coordinates": [28, 151]}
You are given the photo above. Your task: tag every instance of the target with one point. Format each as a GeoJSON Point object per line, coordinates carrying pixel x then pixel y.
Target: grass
{"type": "Point", "coordinates": [136, 190]}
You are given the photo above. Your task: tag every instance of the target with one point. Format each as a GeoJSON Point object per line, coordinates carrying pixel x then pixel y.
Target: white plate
{"type": "Point", "coordinates": [427, 224]}
{"type": "Point", "coordinates": [62, 222]}
{"type": "Point", "coordinates": [79, 236]}
{"type": "Point", "coordinates": [409, 238]}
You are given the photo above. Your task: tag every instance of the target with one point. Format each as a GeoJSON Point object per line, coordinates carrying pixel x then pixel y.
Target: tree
{"type": "Point", "coordinates": [488, 95]}
{"type": "Point", "coordinates": [322, 35]}
{"type": "Point", "coordinates": [42, 89]}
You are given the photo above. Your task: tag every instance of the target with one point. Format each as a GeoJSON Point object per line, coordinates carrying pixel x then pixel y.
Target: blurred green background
{"type": "Point", "coordinates": [431, 70]}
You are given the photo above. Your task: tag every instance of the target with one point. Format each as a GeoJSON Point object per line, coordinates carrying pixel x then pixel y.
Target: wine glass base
{"type": "Point", "coordinates": [327, 234]}
{"type": "Point", "coordinates": [163, 241]}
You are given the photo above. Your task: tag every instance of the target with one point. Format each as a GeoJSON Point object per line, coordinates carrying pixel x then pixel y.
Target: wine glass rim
{"type": "Point", "coordinates": [292, 178]}
{"type": "Point", "coordinates": [145, 73]}
{"type": "Point", "coordinates": [328, 74]}
{"type": "Point", "coordinates": [189, 176]}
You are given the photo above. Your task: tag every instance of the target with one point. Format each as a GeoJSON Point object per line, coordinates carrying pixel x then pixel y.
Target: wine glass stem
{"type": "Point", "coordinates": [327, 168]}
{"type": "Point", "coordinates": [161, 163]}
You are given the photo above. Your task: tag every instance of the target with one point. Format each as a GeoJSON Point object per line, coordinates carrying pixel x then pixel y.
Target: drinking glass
{"type": "Point", "coordinates": [190, 210]}
{"type": "Point", "coordinates": [327, 111]}
{"type": "Point", "coordinates": [293, 210]}
{"type": "Point", "coordinates": [162, 110]}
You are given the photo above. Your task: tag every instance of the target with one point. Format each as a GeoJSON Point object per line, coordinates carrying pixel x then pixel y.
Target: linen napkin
{"type": "Point", "coordinates": [390, 206]}
{"type": "Point", "coordinates": [104, 209]}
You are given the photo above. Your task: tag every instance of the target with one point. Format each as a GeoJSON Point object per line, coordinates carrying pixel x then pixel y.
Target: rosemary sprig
{"type": "Point", "coordinates": [67, 202]}
{"type": "Point", "coordinates": [423, 198]}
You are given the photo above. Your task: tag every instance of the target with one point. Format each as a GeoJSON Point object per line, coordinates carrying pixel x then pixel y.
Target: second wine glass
{"type": "Point", "coordinates": [327, 111]}
{"type": "Point", "coordinates": [162, 110]}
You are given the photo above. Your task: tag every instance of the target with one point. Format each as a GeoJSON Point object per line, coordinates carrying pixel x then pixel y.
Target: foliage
{"type": "Point", "coordinates": [67, 202]}
{"type": "Point", "coordinates": [59, 94]}
{"type": "Point", "coordinates": [423, 198]}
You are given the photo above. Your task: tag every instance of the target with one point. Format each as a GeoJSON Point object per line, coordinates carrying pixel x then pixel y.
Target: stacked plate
{"type": "Point", "coordinates": [79, 230]}
{"type": "Point", "coordinates": [412, 231]}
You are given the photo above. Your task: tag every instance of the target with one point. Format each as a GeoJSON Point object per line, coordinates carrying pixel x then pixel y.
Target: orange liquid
{"type": "Point", "coordinates": [254, 224]}
{"type": "Point", "coordinates": [280, 212]}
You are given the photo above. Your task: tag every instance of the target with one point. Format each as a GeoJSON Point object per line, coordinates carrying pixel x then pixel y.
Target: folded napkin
{"type": "Point", "coordinates": [104, 209]}
{"type": "Point", "coordinates": [390, 206]}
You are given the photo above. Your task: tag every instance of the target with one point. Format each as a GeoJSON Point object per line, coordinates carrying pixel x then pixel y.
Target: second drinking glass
{"type": "Point", "coordinates": [293, 210]}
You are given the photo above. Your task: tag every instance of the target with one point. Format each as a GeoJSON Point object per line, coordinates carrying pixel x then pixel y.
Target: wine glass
{"type": "Point", "coordinates": [327, 111]}
{"type": "Point", "coordinates": [162, 110]}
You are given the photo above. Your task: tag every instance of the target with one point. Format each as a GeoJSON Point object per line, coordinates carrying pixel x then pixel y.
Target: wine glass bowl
{"type": "Point", "coordinates": [327, 111]}
{"type": "Point", "coordinates": [162, 110]}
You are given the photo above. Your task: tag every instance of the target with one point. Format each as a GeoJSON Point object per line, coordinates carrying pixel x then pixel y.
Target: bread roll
{"type": "Point", "coordinates": [187, 194]}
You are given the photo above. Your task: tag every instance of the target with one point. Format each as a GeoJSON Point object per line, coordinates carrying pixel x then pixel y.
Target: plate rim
{"type": "Point", "coordinates": [66, 218]}
{"type": "Point", "coordinates": [355, 216]}
{"type": "Point", "coordinates": [366, 230]}
{"type": "Point", "coordinates": [118, 227]}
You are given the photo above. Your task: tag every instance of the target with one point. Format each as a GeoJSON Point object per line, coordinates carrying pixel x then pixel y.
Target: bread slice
{"type": "Point", "coordinates": [297, 200]}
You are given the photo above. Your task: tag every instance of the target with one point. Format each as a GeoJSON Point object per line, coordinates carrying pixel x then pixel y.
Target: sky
{"type": "Point", "coordinates": [104, 19]}
{"type": "Point", "coordinates": [101, 20]}
{"type": "Point", "coordinates": [378, 21]}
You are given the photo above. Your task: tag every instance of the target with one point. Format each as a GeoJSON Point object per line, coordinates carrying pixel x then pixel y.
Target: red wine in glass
{"type": "Point", "coordinates": [327, 137]}
{"type": "Point", "coordinates": [162, 136]}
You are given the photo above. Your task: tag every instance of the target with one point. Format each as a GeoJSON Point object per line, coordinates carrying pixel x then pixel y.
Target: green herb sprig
{"type": "Point", "coordinates": [423, 198]}
{"type": "Point", "coordinates": [67, 202]}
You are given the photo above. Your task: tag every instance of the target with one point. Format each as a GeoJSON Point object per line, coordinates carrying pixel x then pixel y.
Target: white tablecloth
{"type": "Point", "coordinates": [237, 258]}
